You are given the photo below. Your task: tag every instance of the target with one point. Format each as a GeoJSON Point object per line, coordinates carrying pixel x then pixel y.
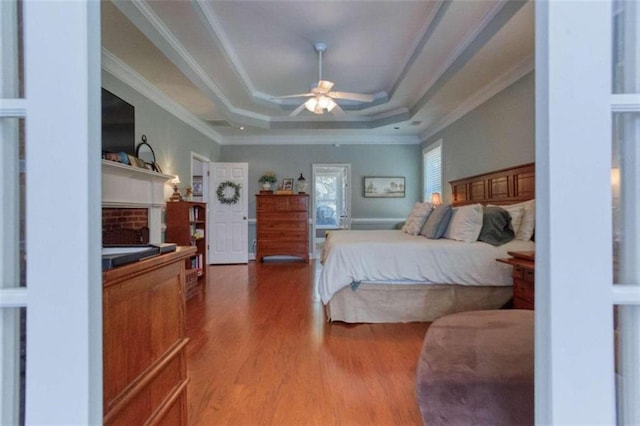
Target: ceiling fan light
{"type": "Point", "coordinates": [311, 104]}
{"type": "Point", "coordinates": [323, 102]}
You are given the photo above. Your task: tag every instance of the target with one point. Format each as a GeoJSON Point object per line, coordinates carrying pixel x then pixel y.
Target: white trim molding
{"type": "Point", "coordinates": [123, 72]}
{"type": "Point", "coordinates": [503, 81]}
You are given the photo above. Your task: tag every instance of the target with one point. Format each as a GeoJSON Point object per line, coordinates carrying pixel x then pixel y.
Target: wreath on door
{"type": "Point", "coordinates": [224, 196]}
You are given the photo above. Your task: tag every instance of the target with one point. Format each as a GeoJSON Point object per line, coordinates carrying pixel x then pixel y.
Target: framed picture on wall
{"type": "Point", "coordinates": [384, 187]}
{"type": "Point", "coordinates": [197, 186]}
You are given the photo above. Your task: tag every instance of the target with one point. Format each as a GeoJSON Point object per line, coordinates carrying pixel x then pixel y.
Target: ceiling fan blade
{"type": "Point", "coordinates": [296, 111]}
{"type": "Point", "coordinates": [337, 111]}
{"type": "Point", "coordinates": [352, 96]}
{"type": "Point", "coordinates": [298, 95]}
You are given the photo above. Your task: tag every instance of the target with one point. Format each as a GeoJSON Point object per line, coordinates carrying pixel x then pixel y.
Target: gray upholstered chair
{"type": "Point", "coordinates": [477, 368]}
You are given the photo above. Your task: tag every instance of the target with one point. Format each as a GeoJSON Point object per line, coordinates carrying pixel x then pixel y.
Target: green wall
{"type": "Point", "coordinates": [495, 135]}
{"type": "Point", "coordinates": [366, 160]}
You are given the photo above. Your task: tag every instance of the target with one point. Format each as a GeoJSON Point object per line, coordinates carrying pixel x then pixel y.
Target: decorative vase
{"type": "Point", "coordinates": [302, 185]}
{"type": "Point", "coordinates": [266, 186]}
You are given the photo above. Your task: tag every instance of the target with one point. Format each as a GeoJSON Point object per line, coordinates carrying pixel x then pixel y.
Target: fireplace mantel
{"type": "Point", "coordinates": [126, 186]}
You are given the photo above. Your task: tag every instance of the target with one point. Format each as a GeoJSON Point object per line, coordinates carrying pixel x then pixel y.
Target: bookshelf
{"type": "Point", "coordinates": [187, 226]}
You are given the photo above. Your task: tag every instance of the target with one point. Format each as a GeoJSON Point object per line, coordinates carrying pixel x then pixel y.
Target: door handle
{"type": "Point", "coordinates": [244, 218]}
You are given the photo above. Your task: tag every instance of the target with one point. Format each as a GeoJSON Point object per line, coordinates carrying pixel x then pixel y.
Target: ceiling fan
{"type": "Point", "coordinates": [321, 97]}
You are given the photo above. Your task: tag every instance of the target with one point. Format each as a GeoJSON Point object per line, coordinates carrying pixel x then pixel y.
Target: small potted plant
{"type": "Point", "coordinates": [267, 179]}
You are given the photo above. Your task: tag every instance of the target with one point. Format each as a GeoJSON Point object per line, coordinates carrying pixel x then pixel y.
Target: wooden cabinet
{"type": "Point", "coordinates": [282, 226]}
{"type": "Point", "coordinates": [187, 225]}
{"type": "Point", "coordinates": [144, 341]}
{"type": "Point", "coordinates": [523, 279]}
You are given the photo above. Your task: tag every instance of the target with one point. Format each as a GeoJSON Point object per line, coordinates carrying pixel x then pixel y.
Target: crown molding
{"type": "Point", "coordinates": [219, 37]}
{"type": "Point", "coordinates": [141, 14]}
{"type": "Point", "coordinates": [123, 72]}
{"type": "Point", "coordinates": [459, 49]}
{"type": "Point", "coordinates": [322, 139]}
{"type": "Point", "coordinates": [481, 96]}
{"type": "Point", "coordinates": [476, 39]}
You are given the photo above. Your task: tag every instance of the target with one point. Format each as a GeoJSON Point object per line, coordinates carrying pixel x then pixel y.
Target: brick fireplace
{"type": "Point", "coordinates": [124, 218]}
{"type": "Point", "coordinates": [125, 225]}
{"type": "Point", "coordinates": [133, 200]}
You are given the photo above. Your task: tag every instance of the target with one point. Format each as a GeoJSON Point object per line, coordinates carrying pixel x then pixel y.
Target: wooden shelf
{"type": "Point", "coordinates": [184, 219]}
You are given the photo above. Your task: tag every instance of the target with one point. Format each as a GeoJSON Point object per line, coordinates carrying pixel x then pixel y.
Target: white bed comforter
{"type": "Point", "coordinates": [355, 256]}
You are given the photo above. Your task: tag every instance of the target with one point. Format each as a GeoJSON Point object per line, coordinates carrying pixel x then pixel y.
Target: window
{"type": "Point", "coordinates": [625, 109]}
{"type": "Point", "coordinates": [432, 166]}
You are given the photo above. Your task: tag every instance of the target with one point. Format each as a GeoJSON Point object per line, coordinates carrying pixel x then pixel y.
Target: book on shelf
{"type": "Point", "coordinates": [197, 234]}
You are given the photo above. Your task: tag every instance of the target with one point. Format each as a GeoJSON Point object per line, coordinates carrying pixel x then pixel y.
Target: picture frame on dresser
{"type": "Point", "coordinates": [287, 184]}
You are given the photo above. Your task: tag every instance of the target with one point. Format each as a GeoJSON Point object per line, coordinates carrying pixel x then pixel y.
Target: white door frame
{"type": "Point", "coordinates": [205, 173]}
{"type": "Point", "coordinates": [63, 293]}
{"type": "Point", "coordinates": [347, 189]}
{"type": "Point", "coordinates": [574, 377]}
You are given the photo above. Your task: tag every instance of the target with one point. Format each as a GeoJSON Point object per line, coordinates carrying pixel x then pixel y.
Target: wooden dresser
{"type": "Point", "coordinates": [523, 279]}
{"type": "Point", "coordinates": [282, 226]}
{"type": "Point", "coordinates": [144, 341]}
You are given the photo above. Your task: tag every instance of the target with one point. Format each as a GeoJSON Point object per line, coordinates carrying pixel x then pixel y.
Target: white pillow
{"type": "Point", "coordinates": [465, 223]}
{"type": "Point", "coordinates": [416, 218]}
{"type": "Point", "coordinates": [516, 211]}
{"type": "Point", "coordinates": [528, 224]}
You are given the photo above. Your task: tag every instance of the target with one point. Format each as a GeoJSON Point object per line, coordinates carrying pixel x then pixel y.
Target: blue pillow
{"type": "Point", "coordinates": [437, 222]}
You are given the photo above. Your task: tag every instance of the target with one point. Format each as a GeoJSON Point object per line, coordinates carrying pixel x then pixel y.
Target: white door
{"type": "Point", "coordinates": [587, 161]}
{"type": "Point", "coordinates": [228, 209]}
{"type": "Point", "coordinates": [50, 278]}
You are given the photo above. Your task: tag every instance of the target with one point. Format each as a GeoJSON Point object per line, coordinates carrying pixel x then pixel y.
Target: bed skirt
{"type": "Point", "coordinates": [379, 303]}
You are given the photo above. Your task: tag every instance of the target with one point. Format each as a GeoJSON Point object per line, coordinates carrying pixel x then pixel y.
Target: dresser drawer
{"type": "Point", "coordinates": [282, 217]}
{"type": "Point", "coordinates": [529, 276]}
{"type": "Point", "coordinates": [283, 228]}
{"type": "Point", "coordinates": [269, 247]}
{"type": "Point", "coordinates": [518, 272]}
{"type": "Point", "coordinates": [283, 203]}
{"type": "Point", "coordinates": [284, 235]}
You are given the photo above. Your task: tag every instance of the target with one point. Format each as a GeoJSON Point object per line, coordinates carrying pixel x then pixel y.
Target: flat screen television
{"type": "Point", "coordinates": [118, 124]}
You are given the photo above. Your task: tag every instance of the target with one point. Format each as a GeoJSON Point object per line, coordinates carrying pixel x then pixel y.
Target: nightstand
{"type": "Point", "coordinates": [523, 263]}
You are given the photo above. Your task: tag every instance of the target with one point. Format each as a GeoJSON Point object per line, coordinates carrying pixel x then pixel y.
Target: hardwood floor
{"type": "Point", "coordinates": [262, 353]}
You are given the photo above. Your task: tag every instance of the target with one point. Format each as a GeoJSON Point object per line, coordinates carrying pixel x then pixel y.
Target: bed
{"type": "Point", "coordinates": [391, 276]}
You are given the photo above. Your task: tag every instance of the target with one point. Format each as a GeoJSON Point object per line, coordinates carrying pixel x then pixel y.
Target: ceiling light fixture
{"type": "Point", "coordinates": [319, 103]}
{"type": "Point", "coordinates": [321, 97]}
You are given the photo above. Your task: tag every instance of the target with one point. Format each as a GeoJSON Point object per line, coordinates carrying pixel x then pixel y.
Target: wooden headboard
{"type": "Point", "coordinates": [504, 186]}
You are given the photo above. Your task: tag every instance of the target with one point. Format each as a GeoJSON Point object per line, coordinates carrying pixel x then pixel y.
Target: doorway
{"type": "Point", "coordinates": [331, 201]}
{"type": "Point", "coordinates": [199, 180]}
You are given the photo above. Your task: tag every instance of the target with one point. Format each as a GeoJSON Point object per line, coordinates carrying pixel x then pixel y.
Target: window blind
{"type": "Point", "coordinates": [432, 171]}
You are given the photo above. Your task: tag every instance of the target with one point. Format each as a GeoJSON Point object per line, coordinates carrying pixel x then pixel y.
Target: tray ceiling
{"type": "Point", "coordinates": [222, 63]}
